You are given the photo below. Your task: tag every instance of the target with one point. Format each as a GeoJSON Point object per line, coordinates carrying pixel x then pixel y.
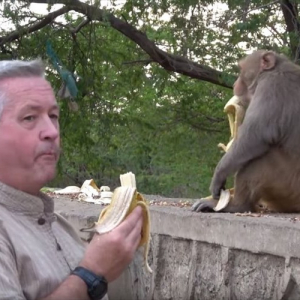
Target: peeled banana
{"type": "Point", "coordinates": [125, 198]}
{"type": "Point", "coordinates": [235, 111]}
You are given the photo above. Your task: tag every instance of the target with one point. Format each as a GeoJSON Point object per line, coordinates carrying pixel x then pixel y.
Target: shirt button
{"type": "Point", "coordinates": [41, 221]}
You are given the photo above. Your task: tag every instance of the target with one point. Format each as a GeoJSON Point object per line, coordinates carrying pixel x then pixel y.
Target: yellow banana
{"type": "Point", "coordinates": [125, 198]}
{"type": "Point", "coordinates": [235, 111]}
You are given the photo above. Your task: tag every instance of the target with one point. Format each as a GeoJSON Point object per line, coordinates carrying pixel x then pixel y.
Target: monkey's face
{"type": "Point", "coordinates": [250, 68]}
{"type": "Point", "coordinates": [239, 88]}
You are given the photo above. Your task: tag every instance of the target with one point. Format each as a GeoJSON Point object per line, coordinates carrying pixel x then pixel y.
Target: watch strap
{"type": "Point", "coordinates": [96, 285]}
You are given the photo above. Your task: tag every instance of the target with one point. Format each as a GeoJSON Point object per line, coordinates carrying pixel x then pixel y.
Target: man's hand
{"type": "Point", "coordinates": [110, 253]}
{"type": "Point", "coordinates": [107, 255]}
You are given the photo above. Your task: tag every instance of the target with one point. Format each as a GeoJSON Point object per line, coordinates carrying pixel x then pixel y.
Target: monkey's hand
{"type": "Point", "coordinates": [208, 204]}
{"type": "Point", "coordinates": [205, 205]}
{"type": "Point", "coordinates": [217, 185]}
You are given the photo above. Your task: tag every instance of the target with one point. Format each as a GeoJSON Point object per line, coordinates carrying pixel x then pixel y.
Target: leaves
{"type": "Point", "coordinates": [152, 79]}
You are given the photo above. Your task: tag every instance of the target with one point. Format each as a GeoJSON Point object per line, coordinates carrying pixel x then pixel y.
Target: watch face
{"type": "Point", "coordinates": [98, 290]}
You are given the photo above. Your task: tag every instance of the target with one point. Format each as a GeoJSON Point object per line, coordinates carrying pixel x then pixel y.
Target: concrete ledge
{"type": "Point", "coordinates": [207, 256]}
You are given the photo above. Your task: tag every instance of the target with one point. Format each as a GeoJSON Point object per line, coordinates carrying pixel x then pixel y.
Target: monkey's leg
{"type": "Point", "coordinates": [246, 191]}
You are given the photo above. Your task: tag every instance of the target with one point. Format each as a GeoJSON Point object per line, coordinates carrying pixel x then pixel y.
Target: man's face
{"type": "Point", "coordinates": [29, 134]}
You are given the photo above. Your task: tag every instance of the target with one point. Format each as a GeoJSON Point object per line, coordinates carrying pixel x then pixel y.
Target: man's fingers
{"type": "Point", "coordinates": [135, 235]}
{"type": "Point", "coordinates": [131, 221]}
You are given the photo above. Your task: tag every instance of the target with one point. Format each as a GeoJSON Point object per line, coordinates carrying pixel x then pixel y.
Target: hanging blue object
{"type": "Point", "coordinates": [68, 77]}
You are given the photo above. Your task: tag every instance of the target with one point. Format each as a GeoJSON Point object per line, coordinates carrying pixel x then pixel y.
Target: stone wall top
{"type": "Point", "coordinates": [274, 234]}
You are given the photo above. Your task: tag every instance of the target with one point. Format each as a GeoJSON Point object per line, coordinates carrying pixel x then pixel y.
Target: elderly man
{"type": "Point", "coordinates": [41, 256]}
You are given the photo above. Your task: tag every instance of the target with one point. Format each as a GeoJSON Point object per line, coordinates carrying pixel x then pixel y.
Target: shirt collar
{"type": "Point", "coordinates": [18, 201]}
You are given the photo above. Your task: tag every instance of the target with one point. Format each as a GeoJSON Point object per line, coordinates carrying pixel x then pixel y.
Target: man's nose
{"type": "Point", "coordinates": [49, 130]}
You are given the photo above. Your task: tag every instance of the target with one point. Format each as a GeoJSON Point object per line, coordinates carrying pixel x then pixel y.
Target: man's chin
{"type": "Point", "coordinates": [47, 175]}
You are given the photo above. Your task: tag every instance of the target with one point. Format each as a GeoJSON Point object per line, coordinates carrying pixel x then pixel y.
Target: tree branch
{"type": "Point", "coordinates": [140, 61]}
{"type": "Point", "coordinates": [37, 26]}
{"type": "Point", "coordinates": [80, 26]}
{"type": "Point", "coordinates": [280, 37]}
{"type": "Point", "coordinates": [168, 61]}
{"type": "Point", "coordinates": [290, 14]}
{"type": "Point", "coordinates": [247, 10]}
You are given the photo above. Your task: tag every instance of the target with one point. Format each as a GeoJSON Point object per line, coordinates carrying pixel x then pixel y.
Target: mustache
{"type": "Point", "coordinates": [49, 149]}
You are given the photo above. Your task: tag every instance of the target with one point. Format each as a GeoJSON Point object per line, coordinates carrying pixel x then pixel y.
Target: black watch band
{"type": "Point", "coordinates": [96, 285]}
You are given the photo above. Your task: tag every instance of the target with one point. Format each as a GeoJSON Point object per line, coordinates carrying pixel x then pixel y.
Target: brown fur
{"type": "Point", "coordinates": [265, 156]}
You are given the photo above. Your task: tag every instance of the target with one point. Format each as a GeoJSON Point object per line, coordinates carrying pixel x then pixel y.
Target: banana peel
{"type": "Point", "coordinates": [124, 199]}
{"type": "Point", "coordinates": [225, 197]}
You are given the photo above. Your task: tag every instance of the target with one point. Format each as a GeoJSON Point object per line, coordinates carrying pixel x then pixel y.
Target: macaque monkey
{"type": "Point", "coordinates": [265, 156]}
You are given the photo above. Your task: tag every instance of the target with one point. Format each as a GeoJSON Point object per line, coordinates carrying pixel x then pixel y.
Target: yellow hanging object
{"type": "Point", "coordinates": [235, 111]}
{"type": "Point", "coordinates": [124, 199]}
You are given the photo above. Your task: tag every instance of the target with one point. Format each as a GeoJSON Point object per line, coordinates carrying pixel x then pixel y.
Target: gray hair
{"type": "Point", "coordinates": [19, 68]}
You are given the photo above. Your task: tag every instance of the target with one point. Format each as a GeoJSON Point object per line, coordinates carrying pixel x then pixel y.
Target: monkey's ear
{"type": "Point", "coordinates": [268, 60]}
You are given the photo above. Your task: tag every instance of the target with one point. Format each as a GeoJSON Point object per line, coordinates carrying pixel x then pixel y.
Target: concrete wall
{"type": "Point", "coordinates": [207, 256]}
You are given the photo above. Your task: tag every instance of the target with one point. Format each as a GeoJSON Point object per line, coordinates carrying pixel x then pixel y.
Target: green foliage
{"type": "Point", "coordinates": [134, 115]}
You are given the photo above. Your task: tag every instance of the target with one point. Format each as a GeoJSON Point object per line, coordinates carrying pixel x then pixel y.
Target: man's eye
{"type": "Point", "coordinates": [54, 116]}
{"type": "Point", "coordinates": [29, 118]}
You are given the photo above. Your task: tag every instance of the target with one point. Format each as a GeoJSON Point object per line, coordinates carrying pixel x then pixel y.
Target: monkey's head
{"type": "Point", "coordinates": [250, 69]}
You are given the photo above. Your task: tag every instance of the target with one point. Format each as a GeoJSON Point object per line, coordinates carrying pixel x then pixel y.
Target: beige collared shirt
{"type": "Point", "coordinates": [38, 248]}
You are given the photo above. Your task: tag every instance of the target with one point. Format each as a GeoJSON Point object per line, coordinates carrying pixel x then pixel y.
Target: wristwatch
{"type": "Point", "coordinates": [96, 285]}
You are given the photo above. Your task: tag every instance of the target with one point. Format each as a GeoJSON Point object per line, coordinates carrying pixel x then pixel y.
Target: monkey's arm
{"type": "Point", "coordinates": [255, 137]}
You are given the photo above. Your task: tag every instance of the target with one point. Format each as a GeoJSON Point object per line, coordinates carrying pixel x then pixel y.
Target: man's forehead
{"type": "Point", "coordinates": [22, 84]}
{"type": "Point", "coordinates": [33, 92]}
{"type": "Point", "coordinates": [36, 107]}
